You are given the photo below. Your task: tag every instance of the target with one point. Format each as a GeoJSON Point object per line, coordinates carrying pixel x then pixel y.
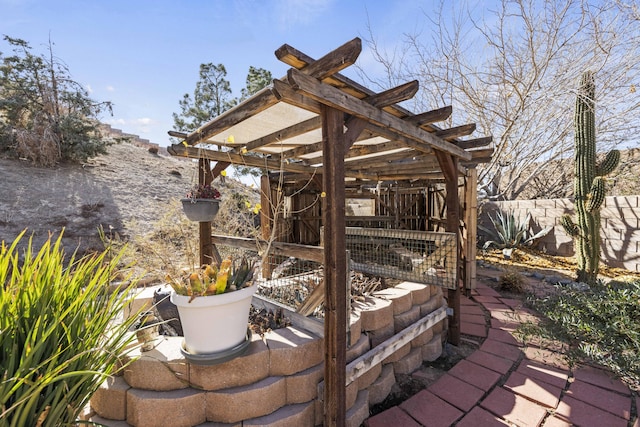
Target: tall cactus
{"type": "Point", "coordinates": [589, 189]}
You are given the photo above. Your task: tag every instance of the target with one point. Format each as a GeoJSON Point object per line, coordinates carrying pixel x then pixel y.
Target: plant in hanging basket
{"type": "Point", "coordinates": [201, 203]}
{"type": "Point", "coordinates": [213, 304]}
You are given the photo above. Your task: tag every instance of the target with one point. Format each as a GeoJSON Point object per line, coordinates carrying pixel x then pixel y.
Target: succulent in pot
{"type": "Point", "coordinates": [213, 304]}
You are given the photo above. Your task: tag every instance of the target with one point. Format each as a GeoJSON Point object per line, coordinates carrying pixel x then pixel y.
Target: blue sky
{"type": "Point", "coordinates": [143, 55]}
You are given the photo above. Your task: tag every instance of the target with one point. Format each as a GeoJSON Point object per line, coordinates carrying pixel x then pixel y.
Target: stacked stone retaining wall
{"type": "Point", "coordinates": [279, 380]}
{"type": "Point", "coordinates": [620, 226]}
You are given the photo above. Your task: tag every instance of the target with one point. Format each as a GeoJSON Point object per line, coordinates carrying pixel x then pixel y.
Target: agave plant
{"type": "Point", "coordinates": [509, 232]}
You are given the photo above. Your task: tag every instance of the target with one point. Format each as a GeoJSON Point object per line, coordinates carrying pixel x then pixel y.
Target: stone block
{"type": "Point", "coordinates": [434, 303]}
{"type": "Point", "coordinates": [359, 411]}
{"type": "Point", "coordinates": [439, 327]}
{"type": "Point", "coordinates": [380, 389]}
{"type": "Point", "coordinates": [110, 399]}
{"type": "Point", "coordinates": [419, 293]}
{"type": "Point", "coordinates": [380, 335]}
{"type": "Point", "coordinates": [361, 347]}
{"type": "Point", "coordinates": [246, 402]}
{"type": "Point", "coordinates": [406, 319]}
{"type": "Point", "coordinates": [143, 299]}
{"type": "Point", "coordinates": [303, 387]}
{"type": "Point", "coordinates": [400, 298]}
{"type": "Point", "coordinates": [108, 422]}
{"type": "Point", "coordinates": [355, 328]}
{"type": "Point", "coordinates": [146, 408]}
{"type": "Point", "coordinates": [433, 349]}
{"type": "Point", "coordinates": [163, 368]}
{"type": "Point", "coordinates": [409, 363]}
{"type": "Point", "coordinates": [248, 368]}
{"type": "Point", "coordinates": [369, 377]}
{"type": "Point", "coordinates": [375, 313]}
{"type": "Point", "coordinates": [302, 414]}
{"type": "Point", "coordinates": [292, 350]}
{"type": "Point", "coordinates": [398, 354]}
{"type": "Point", "coordinates": [422, 339]}
{"type": "Point", "coordinates": [351, 394]}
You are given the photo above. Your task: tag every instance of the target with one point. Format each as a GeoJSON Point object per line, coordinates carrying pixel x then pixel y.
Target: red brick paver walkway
{"type": "Point", "coordinates": [507, 383]}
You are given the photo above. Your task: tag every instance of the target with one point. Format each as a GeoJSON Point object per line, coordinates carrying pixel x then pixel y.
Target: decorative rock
{"type": "Point", "coordinates": [185, 408]}
{"type": "Point", "coordinates": [245, 402]}
{"type": "Point", "coordinates": [409, 363]}
{"type": "Point", "coordinates": [406, 319]}
{"type": "Point", "coordinates": [359, 412]}
{"type": "Point", "coordinates": [292, 350]}
{"type": "Point", "coordinates": [253, 366]}
{"type": "Point", "coordinates": [375, 313]}
{"type": "Point", "coordinates": [303, 387]}
{"type": "Point", "coordinates": [163, 368]}
{"type": "Point", "coordinates": [291, 415]}
{"type": "Point", "coordinates": [433, 349]}
{"type": "Point", "coordinates": [368, 378]}
{"type": "Point", "coordinates": [419, 293]}
{"type": "Point", "coordinates": [110, 400]}
{"type": "Point", "coordinates": [362, 346]}
{"type": "Point", "coordinates": [400, 298]}
{"type": "Point", "coordinates": [380, 389]}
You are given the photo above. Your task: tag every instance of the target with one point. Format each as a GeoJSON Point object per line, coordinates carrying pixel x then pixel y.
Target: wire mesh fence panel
{"type": "Point", "coordinates": [417, 256]}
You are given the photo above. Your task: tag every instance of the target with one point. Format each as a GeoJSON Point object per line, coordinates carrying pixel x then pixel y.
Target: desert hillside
{"type": "Point", "coordinates": [129, 191]}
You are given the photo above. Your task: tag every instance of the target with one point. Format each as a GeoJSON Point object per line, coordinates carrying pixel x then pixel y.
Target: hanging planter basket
{"type": "Point", "coordinates": [200, 210]}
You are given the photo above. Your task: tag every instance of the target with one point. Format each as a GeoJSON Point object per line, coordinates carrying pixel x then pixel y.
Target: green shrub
{"type": "Point", "coordinates": [511, 281]}
{"type": "Point", "coordinates": [59, 333]}
{"type": "Point", "coordinates": [602, 323]}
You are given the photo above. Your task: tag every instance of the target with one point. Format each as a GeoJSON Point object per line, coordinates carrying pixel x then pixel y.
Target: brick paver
{"type": "Point", "coordinates": [584, 414]}
{"type": "Point", "coordinates": [600, 378]}
{"type": "Point", "coordinates": [503, 336]}
{"type": "Point", "coordinates": [460, 394]}
{"type": "Point", "coordinates": [549, 374]}
{"type": "Point", "coordinates": [501, 349]}
{"type": "Point", "coordinates": [514, 408]}
{"type": "Point", "coordinates": [391, 417]}
{"type": "Point", "coordinates": [473, 329]}
{"type": "Point", "coordinates": [534, 389]}
{"type": "Point", "coordinates": [491, 361]}
{"type": "Point", "coordinates": [475, 375]}
{"type": "Point", "coordinates": [479, 417]}
{"type": "Point", "coordinates": [607, 400]}
{"type": "Point", "coordinates": [477, 319]}
{"type": "Point", "coordinates": [429, 410]}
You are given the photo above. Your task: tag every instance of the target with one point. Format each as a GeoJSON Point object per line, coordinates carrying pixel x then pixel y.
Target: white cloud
{"type": "Point", "coordinates": [111, 88]}
{"type": "Point", "coordinates": [144, 121]}
{"type": "Point", "coordinates": [89, 89]}
{"type": "Point", "coordinates": [295, 12]}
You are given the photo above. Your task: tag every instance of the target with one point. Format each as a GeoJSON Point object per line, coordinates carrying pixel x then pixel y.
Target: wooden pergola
{"type": "Point", "coordinates": [318, 125]}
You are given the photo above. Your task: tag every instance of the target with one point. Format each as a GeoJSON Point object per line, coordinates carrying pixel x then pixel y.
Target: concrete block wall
{"type": "Point", "coordinates": [278, 380]}
{"type": "Point", "coordinates": [620, 226]}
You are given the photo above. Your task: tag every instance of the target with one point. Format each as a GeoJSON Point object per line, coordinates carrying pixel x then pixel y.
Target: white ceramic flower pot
{"type": "Point", "coordinates": [214, 323]}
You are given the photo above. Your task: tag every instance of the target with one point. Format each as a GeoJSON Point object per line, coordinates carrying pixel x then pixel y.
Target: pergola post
{"type": "Point", "coordinates": [449, 166]}
{"type": "Point", "coordinates": [335, 336]}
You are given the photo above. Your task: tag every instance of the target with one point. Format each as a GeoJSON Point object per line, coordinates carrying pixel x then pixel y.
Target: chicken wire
{"type": "Point", "coordinates": [417, 256]}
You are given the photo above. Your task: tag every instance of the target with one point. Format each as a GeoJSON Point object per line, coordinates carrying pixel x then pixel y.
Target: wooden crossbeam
{"type": "Point", "coordinates": [474, 143]}
{"type": "Point", "coordinates": [238, 159]}
{"type": "Point", "coordinates": [335, 98]}
{"type": "Point", "coordinates": [431, 116]}
{"type": "Point", "coordinates": [455, 132]}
